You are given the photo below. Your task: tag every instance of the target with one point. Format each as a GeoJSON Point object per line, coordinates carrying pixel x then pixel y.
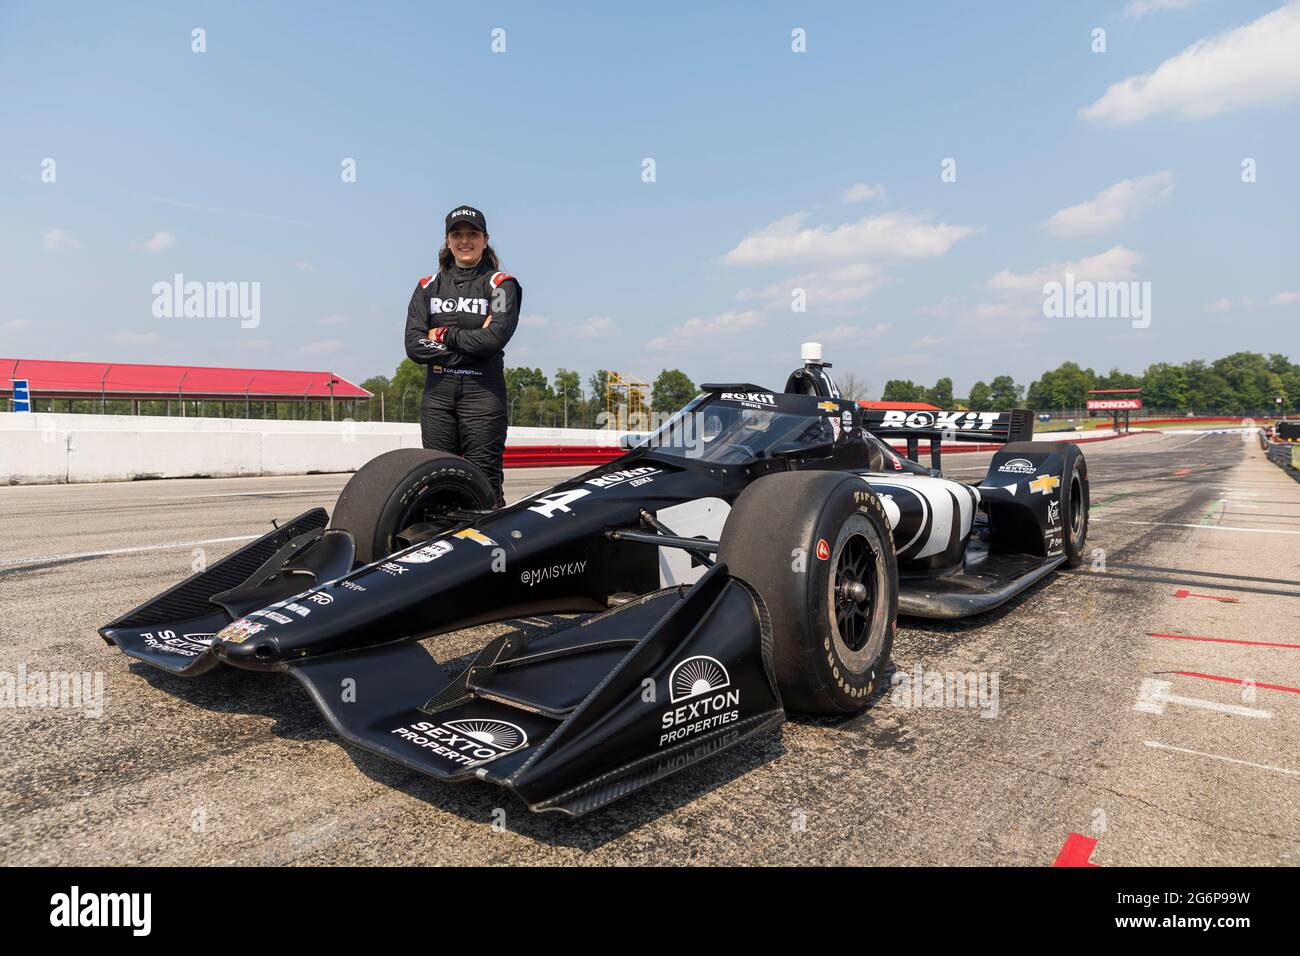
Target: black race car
{"type": "Point", "coordinates": [748, 558]}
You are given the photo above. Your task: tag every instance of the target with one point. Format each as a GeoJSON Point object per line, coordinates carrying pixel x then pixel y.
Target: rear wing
{"type": "Point", "coordinates": [937, 427]}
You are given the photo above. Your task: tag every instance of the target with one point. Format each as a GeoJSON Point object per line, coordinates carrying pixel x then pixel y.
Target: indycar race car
{"type": "Point", "coordinates": [747, 559]}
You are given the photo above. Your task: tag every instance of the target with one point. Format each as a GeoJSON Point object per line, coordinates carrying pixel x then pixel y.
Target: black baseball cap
{"type": "Point", "coordinates": [466, 215]}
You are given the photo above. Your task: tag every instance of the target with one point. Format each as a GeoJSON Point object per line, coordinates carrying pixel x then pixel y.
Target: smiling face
{"type": "Point", "coordinates": [466, 244]}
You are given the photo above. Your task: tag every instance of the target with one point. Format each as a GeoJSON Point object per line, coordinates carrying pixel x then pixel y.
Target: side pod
{"type": "Point", "coordinates": [576, 718]}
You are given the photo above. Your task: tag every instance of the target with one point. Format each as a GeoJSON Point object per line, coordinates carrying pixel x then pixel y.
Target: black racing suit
{"type": "Point", "coordinates": [463, 409]}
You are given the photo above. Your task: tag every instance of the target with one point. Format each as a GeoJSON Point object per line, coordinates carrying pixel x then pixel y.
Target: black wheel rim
{"type": "Point", "coordinates": [426, 514]}
{"type": "Point", "coordinates": [855, 591]}
{"type": "Point", "coordinates": [1076, 509]}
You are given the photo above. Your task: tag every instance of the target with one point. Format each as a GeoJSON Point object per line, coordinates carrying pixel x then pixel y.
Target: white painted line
{"type": "Point", "coordinates": [147, 547]}
{"type": "Point", "coordinates": [1202, 527]}
{"type": "Point", "coordinates": [1153, 695]}
{"type": "Point", "coordinates": [1201, 753]}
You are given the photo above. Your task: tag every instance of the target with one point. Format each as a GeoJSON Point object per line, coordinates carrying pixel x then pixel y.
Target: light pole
{"type": "Point", "coordinates": [401, 412]}
{"type": "Point", "coordinates": [510, 419]}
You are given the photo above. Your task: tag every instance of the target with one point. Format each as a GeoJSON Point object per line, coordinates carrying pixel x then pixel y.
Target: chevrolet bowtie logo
{"type": "Point", "coordinates": [827, 406]}
{"type": "Point", "coordinates": [1044, 484]}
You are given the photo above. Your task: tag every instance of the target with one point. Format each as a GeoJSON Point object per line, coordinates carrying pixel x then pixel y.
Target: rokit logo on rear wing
{"type": "Point", "coordinates": [941, 421]}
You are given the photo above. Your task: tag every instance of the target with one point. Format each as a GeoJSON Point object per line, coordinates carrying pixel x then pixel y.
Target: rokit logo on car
{"type": "Point", "coordinates": [1054, 513]}
{"type": "Point", "coordinates": [1018, 466]}
{"type": "Point", "coordinates": [633, 476]}
{"type": "Point", "coordinates": [538, 575]}
{"type": "Point", "coordinates": [702, 686]}
{"type": "Point", "coordinates": [956, 421]}
{"type": "Point", "coordinates": [756, 399]}
{"type": "Point", "coordinates": [468, 742]}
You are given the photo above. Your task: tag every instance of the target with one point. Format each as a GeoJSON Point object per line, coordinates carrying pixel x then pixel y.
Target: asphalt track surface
{"type": "Point", "coordinates": [1163, 727]}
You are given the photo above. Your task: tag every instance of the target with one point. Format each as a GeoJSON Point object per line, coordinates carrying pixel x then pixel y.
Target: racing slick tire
{"type": "Point", "coordinates": [403, 488]}
{"type": "Point", "coordinates": [1074, 504]}
{"type": "Point", "coordinates": [817, 547]}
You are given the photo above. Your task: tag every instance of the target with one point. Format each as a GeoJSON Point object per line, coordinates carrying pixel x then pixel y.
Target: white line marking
{"type": "Point", "coordinates": [147, 547]}
{"type": "Point", "coordinates": [1201, 753]}
{"type": "Point", "coordinates": [1154, 694]}
{"type": "Point", "coordinates": [1202, 527]}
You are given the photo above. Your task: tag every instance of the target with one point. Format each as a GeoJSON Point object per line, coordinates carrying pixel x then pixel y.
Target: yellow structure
{"type": "Point", "coordinates": [627, 404]}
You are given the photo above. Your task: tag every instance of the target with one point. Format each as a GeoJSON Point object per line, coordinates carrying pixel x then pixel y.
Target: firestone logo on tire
{"type": "Point", "coordinates": [823, 549]}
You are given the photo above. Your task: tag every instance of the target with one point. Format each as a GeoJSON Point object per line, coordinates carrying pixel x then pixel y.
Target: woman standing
{"type": "Point", "coordinates": [457, 325]}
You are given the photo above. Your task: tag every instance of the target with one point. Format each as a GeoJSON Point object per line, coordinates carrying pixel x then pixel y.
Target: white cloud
{"type": "Point", "coordinates": [303, 265]}
{"type": "Point", "coordinates": [1252, 66]}
{"type": "Point", "coordinates": [1140, 8]}
{"type": "Point", "coordinates": [335, 318]}
{"type": "Point", "coordinates": [137, 338]}
{"type": "Point", "coordinates": [860, 192]}
{"type": "Point", "coordinates": [1111, 207]}
{"type": "Point", "coordinates": [1113, 264]}
{"type": "Point", "coordinates": [1219, 305]}
{"type": "Point", "coordinates": [159, 242]}
{"type": "Point", "coordinates": [850, 283]}
{"type": "Point", "coordinates": [14, 325]}
{"type": "Point", "coordinates": [324, 347]}
{"type": "Point", "coordinates": [59, 239]}
{"type": "Point", "coordinates": [1284, 298]}
{"type": "Point", "coordinates": [893, 235]}
{"type": "Point", "coordinates": [848, 333]}
{"type": "Point", "coordinates": [595, 327]}
{"type": "Point", "coordinates": [692, 330]}
{"type": "Point", "coordinates": [532, 321]}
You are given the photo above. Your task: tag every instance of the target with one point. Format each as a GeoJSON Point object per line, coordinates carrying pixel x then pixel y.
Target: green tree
{"type": "Point", "coordinates": [941, 394]}
{"type": "Point", "coordinates": [671, 390]}
{"type": "Point", "coordinates": [402, 400]}
{"type": "Point", "coordinates": [568, 387]}
{"type": "Point", "coordinates": [902, 390]}
{"type": "Point", "coordinates": [979, 396]}
{"type": "Point", "coordinates": [1004, 393]}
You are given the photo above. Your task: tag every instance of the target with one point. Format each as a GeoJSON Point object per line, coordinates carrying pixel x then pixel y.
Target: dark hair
{"type": "Point", "coordinates": [446, 259]}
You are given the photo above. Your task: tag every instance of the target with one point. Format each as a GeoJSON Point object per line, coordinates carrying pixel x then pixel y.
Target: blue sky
{"type": "Point", "coordinates": [225, 166]}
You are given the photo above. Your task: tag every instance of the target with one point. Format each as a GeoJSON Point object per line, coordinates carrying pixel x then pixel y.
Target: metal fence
{"type": "Point", "coordinates": [1286, 455]}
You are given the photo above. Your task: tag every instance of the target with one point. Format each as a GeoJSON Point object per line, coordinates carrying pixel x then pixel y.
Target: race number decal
{"type": "Point", "coordinates": [547, 505]}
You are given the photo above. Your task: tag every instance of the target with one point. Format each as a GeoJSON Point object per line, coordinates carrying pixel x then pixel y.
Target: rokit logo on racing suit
{"type": "Point", "coordinates": [702, 688]}
{"type": "Point", "coordinates": [944, 421]}
{"type": "Point", "coordinates": [459, 304]}
{"type": "Point", "coordinates": [466, 743]}
{"type": "Point", "coordinates": [751, 399]}
{"type": "Point", "coordinates": [636, 476]}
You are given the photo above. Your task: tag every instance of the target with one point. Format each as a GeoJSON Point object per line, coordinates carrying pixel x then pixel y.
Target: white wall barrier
{"type": "Point", "coordinates": [45, 448]}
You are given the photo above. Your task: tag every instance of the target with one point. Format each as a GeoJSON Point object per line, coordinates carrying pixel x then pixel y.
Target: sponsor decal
{"type": "Point", "coordinates": [536, 576]}
{"type": "Point", "coordinates": [470, 742]}
{"type": "Point", "coordinates": [701, 687]}
{"type": "Point", "coordinates": [1052, 542]}
{"type": "Point", "coordinates": [320, 597]}
{"type": "Point", "coordinates": [427, 553]}
{"type": "Point", "coordinates": [476, 536]}
{"type": "Point", "coordinates": [297, 609]}
{"type": "Point", "coordinates": [1018, 466]}
{"type": "Point", "coordinates": [835, 427]}
{"type": "Point", "coordinates": [1054, 513]}
{"type": "Point", "coordinates": [823, 550]}
{"type": "Point", "coordinates": [847, 419]}
{"type": "Point", "coordinates": [1044, 484]}
{"type": "Point", "coordinates": [828, 406]}
{"type": "Point", "coordinates": [458, 304]}
{"type": "Point", "coordinates": [187, 645]}
{"type": "Point", "coordinates": [751, 399]}
{"type": "Point", "coordinates": [351, 585]}
{"type": "Point", "coordinates": [239, 631]}
{"type": "Point", "coordinates": [272, 615]}
{"type": "Point", "coordinates": [635, 476]}
{"type": "Point", "coordinates": [390, 567]}
{"type": "Point", "coordinates": [942, 421]}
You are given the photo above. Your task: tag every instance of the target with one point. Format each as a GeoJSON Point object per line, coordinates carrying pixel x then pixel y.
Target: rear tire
{"type": "Point", "coordinates": [818, 548]}
{"type": "Point", "coordinates": [402, 488]}
{"type": "Point", "coordinates": [1074, 505]}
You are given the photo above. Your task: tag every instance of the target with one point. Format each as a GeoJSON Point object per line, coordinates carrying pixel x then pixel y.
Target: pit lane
{"type": "Point", "coordinates": [1136, 706]}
